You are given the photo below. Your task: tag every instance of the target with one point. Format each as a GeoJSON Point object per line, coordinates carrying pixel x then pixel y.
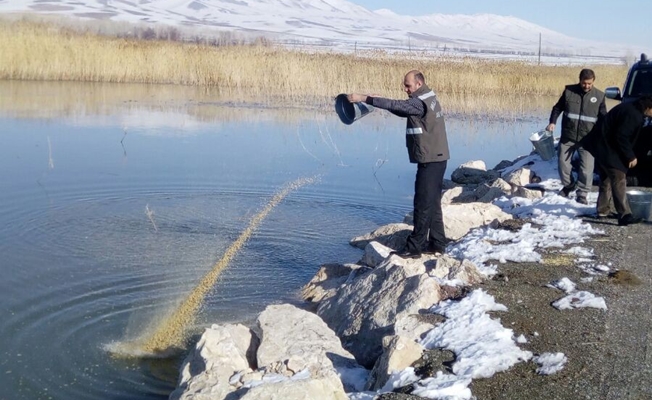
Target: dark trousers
{"type": "Point", "coordinates": [613, 189]}
{"type": "Point", "coordinates": [428, 217]}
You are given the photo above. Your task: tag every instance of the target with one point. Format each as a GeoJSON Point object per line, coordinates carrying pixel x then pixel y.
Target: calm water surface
{"type": "Point", "coordinates": [84, 265]}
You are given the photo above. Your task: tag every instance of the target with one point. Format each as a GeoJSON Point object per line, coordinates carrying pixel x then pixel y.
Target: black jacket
{"type": "Point", "coordinates": [612, 140]}
{"type": "Point", "coordinates": [425, 132]}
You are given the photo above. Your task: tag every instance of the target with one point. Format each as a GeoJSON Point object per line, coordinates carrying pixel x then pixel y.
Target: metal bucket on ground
{"type": "Point", "coordinates": [544, 144]}
{"type": "Point", "coordinates": [350, 112]}
{"type": "Point", "coordinates": [640, 203]}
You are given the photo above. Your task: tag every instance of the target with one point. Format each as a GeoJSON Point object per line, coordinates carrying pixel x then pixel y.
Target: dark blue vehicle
{"type": "Point", "coordinates": [638, 83]}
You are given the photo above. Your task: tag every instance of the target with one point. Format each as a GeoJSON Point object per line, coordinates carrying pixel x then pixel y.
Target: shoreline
{"type": "Point", "coordinates": [520, 283]}
{"type": "Point", "coordinates": [35, 98]}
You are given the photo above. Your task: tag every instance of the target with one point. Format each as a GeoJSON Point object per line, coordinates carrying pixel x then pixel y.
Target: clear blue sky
{"type": "Point", "coordinates": [620, 21]}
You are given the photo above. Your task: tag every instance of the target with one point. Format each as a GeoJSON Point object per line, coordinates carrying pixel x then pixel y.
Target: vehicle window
{"type": "Point", "coordinates": [641, 83]}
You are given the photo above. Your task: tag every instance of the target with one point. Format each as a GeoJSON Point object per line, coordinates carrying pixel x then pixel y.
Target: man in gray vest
{"type": "Point", "coordinates": [581, 104]}
{"type": "Point", "coordinates": [427, 146]}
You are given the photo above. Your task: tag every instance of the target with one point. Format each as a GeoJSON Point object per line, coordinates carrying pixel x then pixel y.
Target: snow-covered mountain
{"type": "Point", "coordinates": [336, 23]}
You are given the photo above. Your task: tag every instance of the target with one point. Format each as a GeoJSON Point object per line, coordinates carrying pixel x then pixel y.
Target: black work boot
{"type": "Point", "coordinates": [406, 253]}
{"type": "Point", "coordinates": [628, 219]}
{"type": "Point", "coordinates": [565, 191]}
{"type": "Point", "coordinates": [435, 248]}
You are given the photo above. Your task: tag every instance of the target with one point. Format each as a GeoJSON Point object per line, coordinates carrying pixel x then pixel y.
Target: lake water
{"type": "Point", "coordinates": [84, 265]}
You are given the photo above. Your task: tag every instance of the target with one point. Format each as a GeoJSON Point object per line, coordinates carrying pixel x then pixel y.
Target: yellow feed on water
{"type": "Point", "coordinates": [171, 332]}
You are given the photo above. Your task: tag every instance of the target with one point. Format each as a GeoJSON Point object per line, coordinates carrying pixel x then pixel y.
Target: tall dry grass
{"type": "Point", "coordinates": [42, 51]}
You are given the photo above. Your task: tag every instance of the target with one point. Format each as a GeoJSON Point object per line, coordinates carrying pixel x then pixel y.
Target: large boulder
{"type": "Point", "coordinates": [473, 172]}
{"type": "Point", "coordinates": [393, 236]}
{"type": "Point", "coordinates": [528, 193]}
{"type": "Point", "coordinates": [458, 194]}
{"type": "Point", "coordinates": [221, 352]}
{"type": "Point", "coordinates": [486, 193]}
{"type": "Point", "coordinates": [365, 310]}
{"type": "Point", "coordinates": [414, 326]}
{"type": "Point", "coordinates": [328, 280]}
{"type": "Point", "coordinates": [324, 387]}
{"type": "Point", "coordinates": [398, 353]}
{"type": "Point", "coordinates": [374, 254]}
{"type": "Point", "coordinates": [459, 219]}
{"type": "Point", "coordinates": [452, 269]}
{"type": "Point", "coordinates": [519, 177]}
{"type": "Point", "coordinates": [294, 341]}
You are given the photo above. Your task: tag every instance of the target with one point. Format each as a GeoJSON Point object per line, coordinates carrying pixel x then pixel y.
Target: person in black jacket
{"type": "Point", "coordinates": [581, 105]}
{"type": "Point", "coordinates": [427, 146]}
{"type": "Point", "coordinates": [612, 144]}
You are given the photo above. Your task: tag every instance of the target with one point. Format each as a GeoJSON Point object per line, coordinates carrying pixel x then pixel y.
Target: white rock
{"type": "Point", "coordinates": [364, 312]}
{"type": "Point", "coordinates": [459, 219]}
{"type": "Point", "coordinates": [475, 164]}
{"type": "Point", "coordinates": [398, 354]}
{"type": "Point", "coordinates": [294, 337]}
{"type": "Point", "coordinates": [374, 254]}
{"type": "Point", "coordinates": [412, 327]}
{"type": "Point", "coordinates": [486, 193]}
{"type": "Point", "coordinates": [457, 194]}
{"type": "Point", "coordinates": [527, 193]}
{"type": "Point", "coordinates": [393, 236]}
{"type": "Point", "coordinates": [519, 177]}
{"type": "Point", "coordinates": [492, 194]}
{"type": "Point", "coordinates": [327, 280]}
{"type": "Point", "coordinates": [219, 354]}
{"type": "Point", "coordinates": [324, 387]}
{"type": "Point", "coordinates": [451, 268]}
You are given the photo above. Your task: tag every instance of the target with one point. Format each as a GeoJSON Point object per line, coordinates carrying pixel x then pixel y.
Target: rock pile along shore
{"type": "Point", "coordinates": [375, 327]}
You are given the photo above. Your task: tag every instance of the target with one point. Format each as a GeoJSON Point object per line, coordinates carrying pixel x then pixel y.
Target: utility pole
{"type": "Point", "coordinates": [539, 48]}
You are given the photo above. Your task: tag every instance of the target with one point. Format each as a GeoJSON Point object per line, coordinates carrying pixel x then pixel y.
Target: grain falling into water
{"type": "Point", "coordinates": [171, 332]}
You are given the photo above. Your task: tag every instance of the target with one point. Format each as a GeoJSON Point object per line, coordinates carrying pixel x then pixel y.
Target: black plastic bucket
{"type": "Point", "coordinates": [350, 112]}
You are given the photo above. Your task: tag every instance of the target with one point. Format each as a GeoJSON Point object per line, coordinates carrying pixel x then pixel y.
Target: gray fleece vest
{"type": "Point", "coordinates": [425, 136]}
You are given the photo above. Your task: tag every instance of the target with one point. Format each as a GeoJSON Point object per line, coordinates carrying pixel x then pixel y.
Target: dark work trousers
{"type": "Point", "coordinates": [613, 188]}
{"type": "Point", "coordinates": [428, 217]}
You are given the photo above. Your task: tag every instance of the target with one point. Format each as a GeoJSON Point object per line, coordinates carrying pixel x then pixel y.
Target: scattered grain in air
{"type": "Point", "coordinates": [171, 332]}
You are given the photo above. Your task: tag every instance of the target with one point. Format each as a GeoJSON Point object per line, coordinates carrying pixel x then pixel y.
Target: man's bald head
{"type": "Point", "coordinates": [413, 81]}
{"type": "Point", "coordinates": [417, 75]}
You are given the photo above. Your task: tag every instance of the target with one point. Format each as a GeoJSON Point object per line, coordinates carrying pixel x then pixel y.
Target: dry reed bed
{"type": "Point", "coordinates": [39, 51]}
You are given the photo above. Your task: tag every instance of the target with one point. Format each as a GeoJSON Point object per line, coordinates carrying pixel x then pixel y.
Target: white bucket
{"type": "Point", "coordinates": [544, 144]}
{"type": "Point", "coordinates": [640, 203]}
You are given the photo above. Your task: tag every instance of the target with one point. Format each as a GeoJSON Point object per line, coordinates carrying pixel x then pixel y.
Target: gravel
{"type": "Point", "coordinates": [609, 351]}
